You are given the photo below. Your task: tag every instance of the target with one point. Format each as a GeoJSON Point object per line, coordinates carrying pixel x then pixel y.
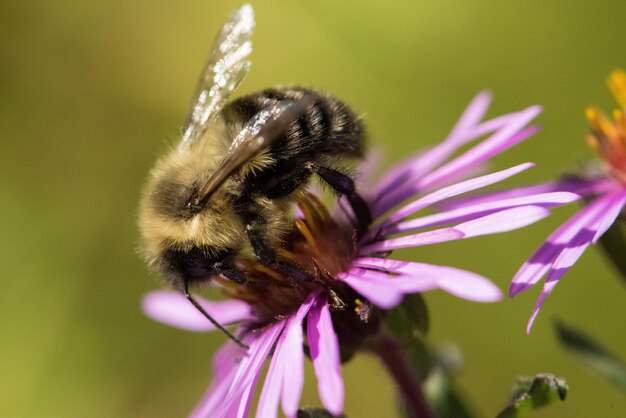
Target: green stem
{"type": "Point", "coordinates": [394, 358]}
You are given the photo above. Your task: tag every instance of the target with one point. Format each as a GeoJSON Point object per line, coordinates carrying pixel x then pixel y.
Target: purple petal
{"type": "Point", "coordinates": [172, 308]}
{"type": "Point", "coordinates": [293, 357]}
{"type": "Point", "coordinates": [581, 187]}
{"type": "Point", "coordinates": [405, 273]}
{"type": "Point", "coordinates": [547, 289]}
{"type": "Point", "coordinates": [226, 357]}
{"type": "Point", "coordinates": [563, 262]}
{"type": "Point", "coordinates": [455, 190]}
{"type": "Point", "coordinates": [377, 287]}
{"type": "Point", "coordinates": [424, 238]}
{"type": "Point", "coordinates": [420, 277]}
{"type": "Point", "coordinates": [213, 397]}
{"type": "Point", "coordinates": [240, 408]}
{"type": "Point", "coordinates": [462, 133]}
{"type": "Point", "coordinates": [534, 269]}
{"type": "Point", "coordinates": [324, 352]}
{"type": "Point", "coordinates": [503, 221]}
{"type": "Point", "coordinates": [386, 291]}
{"type": "Point", "coordinates": [489, 126]}
{"type": "Point", "coordinates": [412, 183]}
{"type": "Point", "coordinates": [504, 138]}
{"type": "Point", "coordinates": [574, 249]}
{"type": "Point", "coordinates": [611, 213]}
{"type": "Point", "coordinates": [268, 402]}
{"type": "Point", "coordinates": [387, 264]}
{"type": "Point", "coordinates": [415, 167]}
{"type": "Point", "coordinates": [260, 344]}
{"type": "Point", "coordinates": [569, 256]}
{"type": "Point", "coordinates": [471, 116]}
{"type": "Point", "coordinates": [467, 285]}
{"type": "Point", "coordinates": [224, 367]}
{"type": "Point", "coordinates": [393, 179]}
{"type": "Point", "coordinates": [286, 371]}
{"type": "Point", "coordinates": [471, 211]}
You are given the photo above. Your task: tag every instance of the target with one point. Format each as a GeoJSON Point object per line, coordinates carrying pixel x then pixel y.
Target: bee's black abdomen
{"type": "Point", "coordinates": [329, 127]}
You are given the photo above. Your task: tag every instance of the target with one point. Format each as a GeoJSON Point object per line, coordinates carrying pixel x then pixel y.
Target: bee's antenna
{"type": "Point", "coordinates": [210, 318]}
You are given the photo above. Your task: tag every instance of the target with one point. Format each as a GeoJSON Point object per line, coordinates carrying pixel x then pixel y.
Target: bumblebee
{"type": "Point", "coordinates": [226, 190]}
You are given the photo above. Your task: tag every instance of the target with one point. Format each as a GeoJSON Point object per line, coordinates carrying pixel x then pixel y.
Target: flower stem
{"type": "Point", "coordinates": [394, 358]}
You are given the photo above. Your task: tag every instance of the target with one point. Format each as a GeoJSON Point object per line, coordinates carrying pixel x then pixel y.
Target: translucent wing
{"type": "Point", "coordinates": [259, 133]}
{"type": "Point", "coordinates": [228, 64]}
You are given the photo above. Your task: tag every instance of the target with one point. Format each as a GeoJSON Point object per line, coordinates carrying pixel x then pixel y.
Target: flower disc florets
{"type": "Point", "coordinates": [608, 138]}
{"type": "Point", "coordinates": [323, 246]}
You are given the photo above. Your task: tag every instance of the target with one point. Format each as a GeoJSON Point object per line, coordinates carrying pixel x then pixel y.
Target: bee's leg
{"type": "Point", "coordinates": [341, 183]}
{"type": "Point", "coordinates": [209, 317]}
{"type": "Point", "coordinates": [290, 184]}
{"type": "Point", "coordinates": [345, 185]}
{"type": "Point", "coordinates": [229, 270]}
{"type": "Point", "coordinates": [293, 271]}
{"type": "Point", "coordinates": [256, 229]}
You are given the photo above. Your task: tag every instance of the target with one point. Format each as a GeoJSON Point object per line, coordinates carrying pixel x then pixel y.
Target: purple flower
{"type": "Point", "coordinates": [356, 281]}
{"type": "Point", "coordinates": [604, 188]}
{"type": "Point", "coordinates": [606, 191]}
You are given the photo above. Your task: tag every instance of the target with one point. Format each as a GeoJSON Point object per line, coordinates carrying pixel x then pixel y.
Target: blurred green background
{"type": "Point", "coordinates": [91, 93]}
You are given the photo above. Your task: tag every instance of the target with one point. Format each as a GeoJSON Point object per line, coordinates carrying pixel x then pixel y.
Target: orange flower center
{"type": "Point", "coordinates": [608, 137]}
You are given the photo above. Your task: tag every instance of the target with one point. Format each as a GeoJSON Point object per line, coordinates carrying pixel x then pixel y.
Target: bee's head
{"type": "Point", "coordinates": [194, 265]}
{"type": "Point", "coordinates": [169, 220]}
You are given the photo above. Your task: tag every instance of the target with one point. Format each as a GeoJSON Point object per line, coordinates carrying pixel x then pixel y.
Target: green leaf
{"type": "Point", "coordinates": [593, 355]}
{"type": "Point", "coordinates": [532, 393]}
{"type": "Point", "coordinates": [613, 242]}
{"type": "Point", "coordinates": [316, 413]}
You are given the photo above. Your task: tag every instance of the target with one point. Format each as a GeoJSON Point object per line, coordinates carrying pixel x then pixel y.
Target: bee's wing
{"type": "Point", "coordinates": [228, 64]}
{"type": "Point", "coordinates": [258, 134]}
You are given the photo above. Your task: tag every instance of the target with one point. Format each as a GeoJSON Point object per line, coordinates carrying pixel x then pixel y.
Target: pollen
{"type": "Point", "coordinates": [608, 137]}
{"type": "Point", "coordinates": [363, 310]}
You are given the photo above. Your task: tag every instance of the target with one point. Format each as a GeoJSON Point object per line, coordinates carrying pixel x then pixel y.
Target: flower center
{"type": "Point", "coordinates": [319, 245]}
{"type": "Point", "coordinates": [608, 138]}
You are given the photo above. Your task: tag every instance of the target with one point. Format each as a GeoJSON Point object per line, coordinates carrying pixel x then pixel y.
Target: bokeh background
{"type": "Point", "coordinates": [92, 92]}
